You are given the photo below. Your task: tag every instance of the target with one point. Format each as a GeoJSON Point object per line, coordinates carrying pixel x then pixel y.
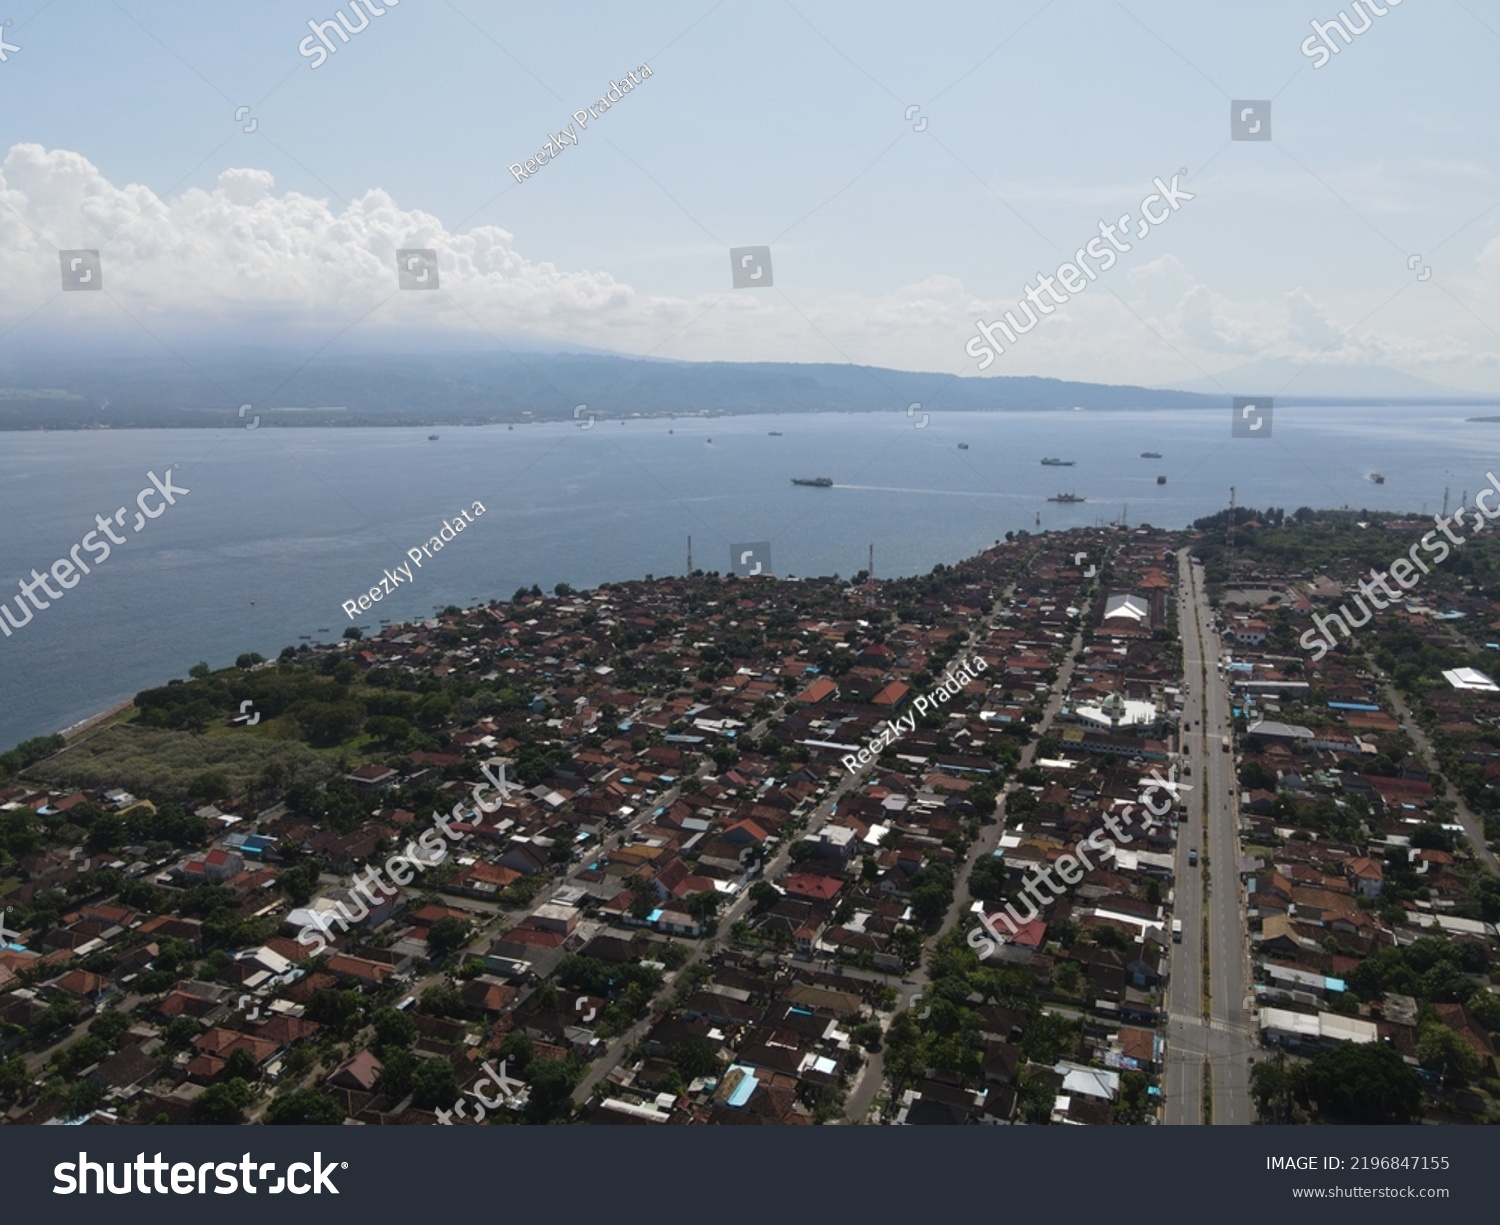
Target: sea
{"type": "Point", "coordinates": [281, 527]}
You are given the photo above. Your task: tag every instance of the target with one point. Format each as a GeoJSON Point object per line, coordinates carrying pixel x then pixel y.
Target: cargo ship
{"type": "Point", "coordinates": [1150, 454]}
{"type": "Point", "coordinates": [1377, 479]}
{"type": "Point", "coordinates": [1058, 463]}
{"type": "Point", "coordinates": [818, 482]}
{"type": "Point", "coordinates": [1067, 497]}
{"type": "Point", "coordinates": [963, 446]}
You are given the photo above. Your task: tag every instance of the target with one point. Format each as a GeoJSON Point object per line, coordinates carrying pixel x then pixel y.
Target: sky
{"type": "Point", "coordinates": [911, 168]}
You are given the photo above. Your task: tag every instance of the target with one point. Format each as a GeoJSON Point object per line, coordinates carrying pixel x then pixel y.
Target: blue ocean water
{"type": "Point", "coordinates": [283, 525]}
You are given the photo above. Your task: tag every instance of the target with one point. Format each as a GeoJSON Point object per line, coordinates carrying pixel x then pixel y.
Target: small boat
{"type": "Point", "coordinates": [1161, 478]}
{"type": "Point", "coordinates": [1376, 479]}
{"type": "Point", "coordinates": [1150, 454]}
{"type": "Point", "coordinates": [963, 446]}
{"type": "Point", "coordinates": [817, 482]}
{"type": "Point", "coordinates": [775, 433]}
{"type": "Point", "coordinates": [1058, 463]}
{"type": "Point", "coordinates": [671, 431]}
{"type": "Point", "coordinates": [710, 441]}
{"type": "Point", "coordinates": [432, 437]}
{"type": "Point", "coordinates": [1067, 497]}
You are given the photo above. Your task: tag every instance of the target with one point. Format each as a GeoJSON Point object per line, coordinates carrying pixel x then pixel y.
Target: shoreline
{"type": "Point", "coordinates": [293, 419]}
{"type": "Point", "coordinates": [77, 729]}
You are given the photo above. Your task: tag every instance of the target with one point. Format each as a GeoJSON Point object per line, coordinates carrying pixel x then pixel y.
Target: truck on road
{"type": "Point", "coordinates": [1176, 931]}
{"type": "Point", "coordinates": [1224, 745]}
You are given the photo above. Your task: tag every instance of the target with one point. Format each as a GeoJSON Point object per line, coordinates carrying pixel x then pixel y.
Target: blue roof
{"type": "Point", "coordinates": [745, 1088]}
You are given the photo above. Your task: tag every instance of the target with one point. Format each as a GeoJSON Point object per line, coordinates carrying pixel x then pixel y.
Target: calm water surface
{"type": "Point", "coordinates": [282, 526]}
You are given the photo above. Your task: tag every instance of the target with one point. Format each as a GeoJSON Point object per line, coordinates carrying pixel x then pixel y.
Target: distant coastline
{"type": "Point", "coordinates": [347, 418]}
{"type": "Point", "coordinates": [423, 390]}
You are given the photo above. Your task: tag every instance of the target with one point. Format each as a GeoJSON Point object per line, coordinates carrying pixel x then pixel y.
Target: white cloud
{"type": "Point", "coordinates": [243, 256]}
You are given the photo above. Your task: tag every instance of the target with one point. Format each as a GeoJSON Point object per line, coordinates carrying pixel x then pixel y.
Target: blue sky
{"type": "Point", "coordinates": [773, 123]}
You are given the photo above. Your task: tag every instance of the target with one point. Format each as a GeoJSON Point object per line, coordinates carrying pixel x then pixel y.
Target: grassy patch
{"type": "Point", "coordinates": [162, 764]}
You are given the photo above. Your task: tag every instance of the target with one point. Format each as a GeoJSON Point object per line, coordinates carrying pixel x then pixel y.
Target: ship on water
{"type": "Point", "coordinates": [775, 433]}
{"type": "Point", "coordinates": [1058, 463]}
{"type": "Point", "coordinates": [1377, 479]}
{"type": "Point", "coordinates": [1161, 478]}
{"type": "Point", "coordinates": [963, 446]}
{"type": "Point", "coordinates": [432, 437]}
{"type": "Point", "coordinates": [1066, 497]}
{"type": "Point", "coordinates": [818, 482]}
{"type": "Point", "coordinates": [1150, 454]}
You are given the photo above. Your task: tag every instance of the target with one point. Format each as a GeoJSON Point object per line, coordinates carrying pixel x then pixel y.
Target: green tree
{"type": "Point", "coordinates": [242, 1064]}
{"type": "Point", "coordinates": [180, 1032]}
{"type": "Point", "coordinates": [1443, 1052]}
{"type": "Point", "coordinates": [15, 1077]}
{"type": "Point", "coordinates": [393, 1030]}
{"type": "Point", "coordinates": [1364, 1083]}
{"type": "Point", "coordinates": [80, 1098]}
{"type": "Point", "coordinates": [1134, 1103]}
{"type": "Point", "coordinates": [1274, 1086]}
{"type": "Point", "coordinates": [642, 898]}
{"type": "Point", "coordinates": [306, 1107]}
{"type": "Point", "coordinates": [694, 1057]}
{"type": "Point", "coordinates": [434, 1084]}
{"type": "Point", "coordinates": [222, 1105]}
{"type": "Point", "coordinates": [447, 935]}
{"type": "Point", "coordinates": [442, 1000]}
{"type": "Point", "coordinates": [703, 905]}
{"type": "Point", "coordinates": [110, 1025]}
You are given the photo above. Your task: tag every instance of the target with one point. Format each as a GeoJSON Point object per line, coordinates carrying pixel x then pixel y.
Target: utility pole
{"type": "Point", "coordinates": [1229, 540]}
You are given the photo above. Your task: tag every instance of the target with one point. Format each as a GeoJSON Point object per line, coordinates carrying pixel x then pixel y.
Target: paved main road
{"type": "Point", "coordinates": [1218, 1038]}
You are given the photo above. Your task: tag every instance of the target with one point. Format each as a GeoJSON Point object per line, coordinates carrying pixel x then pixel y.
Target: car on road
{"type": "Point", "coordinates": [1193, 858]}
